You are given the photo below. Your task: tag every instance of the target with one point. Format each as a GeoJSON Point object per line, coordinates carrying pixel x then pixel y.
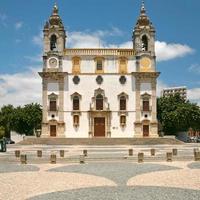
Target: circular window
{"type": "Point", "coordinates": [122, 79]}
{"type": "Point", "coordinates": [146, 116]}
{"type": "Point", "coordinates": [99, 80]}
{"type": "Point", "coordinates": [76, 80]}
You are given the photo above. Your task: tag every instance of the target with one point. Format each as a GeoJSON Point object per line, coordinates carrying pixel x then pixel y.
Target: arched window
{"type": "Point", "coordinates": [76, 120]}
{"type": "Point", "coordinates": [76, 103]}
{"type": "Point", "coordinates": [53, 43]}
{"type": "Point", "coordinates": [99, 102]}
{"type": "Point", "coordinates": [122, 120]}
{"type": "Point", "coordinates": [122, 103]}
{"type": "Point", "coordinates": [144, 43]}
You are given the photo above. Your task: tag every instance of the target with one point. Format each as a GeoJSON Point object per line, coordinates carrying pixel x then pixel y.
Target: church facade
{"type": "Point", "coordinates": [99, 92]}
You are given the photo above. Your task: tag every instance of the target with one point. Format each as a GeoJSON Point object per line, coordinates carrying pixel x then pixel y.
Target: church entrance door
{"type": "Point", "coordinates": [99, 127]}
{"type": "Point", "coordinates": [145, 130]}
{"type": "Point", "coordinates": [53, 130]}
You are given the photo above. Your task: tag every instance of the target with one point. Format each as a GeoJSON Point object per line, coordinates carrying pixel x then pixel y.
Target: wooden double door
{"type": "Point", "coordinates": [145, 130]}
{"type": "Point", "coordinates": [99, 127]}
{"type": "Point", "coordinates": [53, 131]}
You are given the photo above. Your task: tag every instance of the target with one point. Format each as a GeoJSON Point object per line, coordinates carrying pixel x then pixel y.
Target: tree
{"type": "Point", "coordinates": [6, 116]}
{"type": "Point", "coordinates": [2, 132]}
{"type": "Point", "coordinates": [27, 119]}
{"type": "Point", "coordinates": [176, 115]}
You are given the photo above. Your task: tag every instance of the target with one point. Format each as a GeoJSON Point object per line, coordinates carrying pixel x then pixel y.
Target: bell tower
{"type": "Point", "coordinates": [146, 124]}
{"type": "Point", "coordinates": [53, 76]}
{"type": "Point", "coordinates": [144, 34]}
{"type": "Point", "coordinates": [54, 34]}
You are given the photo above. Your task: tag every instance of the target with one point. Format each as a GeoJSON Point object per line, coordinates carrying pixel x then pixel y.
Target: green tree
{"type": "Point", "coordinates": [2, 132]}
{"type": "Point", "coordinates": [6, 117]}
{"type": "Point", "coordinates": [27, 119]}
{"type": "Point", "coordinates": [175, 114]}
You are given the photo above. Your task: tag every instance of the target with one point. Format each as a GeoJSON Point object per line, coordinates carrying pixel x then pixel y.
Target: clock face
{"type": "Point", "coordinates": [145, 64]}
{"type": "Point", "coordinates": [53, 62]}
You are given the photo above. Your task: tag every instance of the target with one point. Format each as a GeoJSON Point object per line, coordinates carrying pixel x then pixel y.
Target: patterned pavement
{"type": "Point", "coordinates": [101, 180]}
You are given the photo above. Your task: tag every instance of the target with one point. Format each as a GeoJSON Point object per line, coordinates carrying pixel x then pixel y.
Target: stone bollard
{"type": "Point", "coordinates": [53, 159]}
{"type": "Point", "coordinates": [85, 153]}
{"type": "Point", "coordinates": [140, 157]}
{"type": "Point", "coordinates": [153, 152]}
{"type": "Point", "coordinates": [196, 150]}
{"type": "Point", "coordinates": [197, 155]}
{"type": "Point", "coordinates": [62, 153]}
{"type": "Point", "coordinates": [169, 156]}
{"type": "Point", "coordinates": [130, 152]}
{"type": "Point", "coordinates": [23, 159]}
{"type": "Point", "coordinates": [39, 153]}
{"type": "Point", "coordinates": [17, 153]}
{"type": "Point", "coordinates": [82, 159]}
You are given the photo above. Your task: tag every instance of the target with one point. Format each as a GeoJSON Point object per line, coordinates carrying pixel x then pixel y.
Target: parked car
{"type": "Point", "coordinates": [9, 141]}
{"type": "Point", "coordinates": [198, 139]}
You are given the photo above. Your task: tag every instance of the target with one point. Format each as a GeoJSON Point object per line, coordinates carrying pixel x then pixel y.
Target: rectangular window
{"type": "Point", "coordinates": [122, 66]}
{"type": "Point", "coordinates": [76, 65]}
{"type": "Point", "coordinates": [122, 104]}
{"type": "Point", "coordinates": [99, 65]}
{"type": "Point", "coordinates": [145, 105]}
{"type": "Point", "coordinates": [53, 106]}
{"type": "Point", "coordinates": [75, 104]}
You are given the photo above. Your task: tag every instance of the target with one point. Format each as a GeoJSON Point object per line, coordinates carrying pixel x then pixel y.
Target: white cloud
{"type": "Point", "coordinates": [18, 25]}
{"type": "Point", "coordinates": [38, 39]}
{"type": "Point", "coordinates": [194, 68]}
{"type": "Point", "coordinates": [194, 95]}
{"type": "Point", "coordinates": [34, 59]}
{"type": "Point", "coordinates": [20, 88]}
{"type": "Point", "coordinates": [171, 51]}
{"type": "Point", "coordinates": [160, 86]}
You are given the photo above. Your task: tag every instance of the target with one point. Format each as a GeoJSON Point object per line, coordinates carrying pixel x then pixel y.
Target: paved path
{"type": "Point", "coordinates": [97, 181]}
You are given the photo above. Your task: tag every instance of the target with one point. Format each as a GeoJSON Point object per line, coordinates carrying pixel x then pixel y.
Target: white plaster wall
{"type": "Point", "coordinates": [131, 65]}
{"type": "Point", "coordinates": [52, 87]}
{"type": "Point", "coordinates": [119, 132]}
{"type": "Point", "coordinates": [145, 88]}
{"type": "Point", "coordinates": [86, 88]}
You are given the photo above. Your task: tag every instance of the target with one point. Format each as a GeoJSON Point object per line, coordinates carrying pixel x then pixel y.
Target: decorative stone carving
{"type": "Point", "coordinates": [122, 80]}
{"type": "Point", "coordinates": [99, 80]}
{"type": "Point", "coordinates": [76, 80]}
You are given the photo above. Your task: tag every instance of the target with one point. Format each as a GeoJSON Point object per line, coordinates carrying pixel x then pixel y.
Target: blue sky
{"type": "Point", "coordinates": [107, 23]}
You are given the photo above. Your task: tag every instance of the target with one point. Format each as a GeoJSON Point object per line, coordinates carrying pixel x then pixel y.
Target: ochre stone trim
{"type": "Point", "coordinates": [99, 52]}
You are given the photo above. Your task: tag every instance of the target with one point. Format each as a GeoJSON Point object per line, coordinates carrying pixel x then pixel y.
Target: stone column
{"type": "Point", "coordinates": [61, 125]}
{"type": "Point", "coordinates": [154, 100]}
{"type": "Point", "coordinates": [61, 100]}
{"type": "Point", "coordinates": [138, 129]}
{"type": "Point", "coordinates": [137, 99]}
{"type": "Point", "coordinates": [45, 132]}
{"type": "Point", "coordinates": [154, 123]}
